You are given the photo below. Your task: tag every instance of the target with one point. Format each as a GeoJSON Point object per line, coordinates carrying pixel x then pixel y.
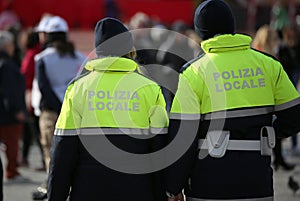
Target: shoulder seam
{"type": "Point", "coordinates": [78, 77]}
{"type": "Point", "coordinates": [266, 54]}
{"type": "Point", "coordinates": [189, 63]}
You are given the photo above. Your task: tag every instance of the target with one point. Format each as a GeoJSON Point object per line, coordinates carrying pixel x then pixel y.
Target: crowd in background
{"type": "Point", "coordinates": [20, 123]}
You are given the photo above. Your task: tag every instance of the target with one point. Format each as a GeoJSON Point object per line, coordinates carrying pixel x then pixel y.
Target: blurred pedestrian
{"type": "Point", "coordinates": [35, 92]}
{"type": "Point", "coordinates": [280, 16]}
{"type": "Point", "coordinates": [142, 23]}
{"type": "Point", "coordinates": [10, 21]}
{"type": "Point", "coordinates": [12, 105]}
{"type": "Point", "coordinates": [31, 128]}
{"type": "Point", "coordinates": [41, 30]}
{"type": "Point", "coordinates": [174, 52]}
{"type": "Point", "coordinates": [289, 56]}
{"type": "Point", "coordinates": [267, 40]}
{"type": "Point", "coordinates": [176, 42]}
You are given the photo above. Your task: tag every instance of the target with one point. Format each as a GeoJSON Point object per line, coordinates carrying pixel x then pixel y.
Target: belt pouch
{"type": "Point", "coordinates": [217, 142]}
{"type": "Point", "coordinates": [267, 140]}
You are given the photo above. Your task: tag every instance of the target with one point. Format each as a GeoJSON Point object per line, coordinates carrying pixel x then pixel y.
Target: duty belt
{"type": "Point", "coordinates": [251, 199]}
{"type": "Point", "coordinates": [217, 142]}
{"type": "Point", "coordinates": [237, 145]}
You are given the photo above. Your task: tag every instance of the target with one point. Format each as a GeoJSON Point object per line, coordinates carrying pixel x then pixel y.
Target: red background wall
{"type": "Point", "coordinates": [85, 13]}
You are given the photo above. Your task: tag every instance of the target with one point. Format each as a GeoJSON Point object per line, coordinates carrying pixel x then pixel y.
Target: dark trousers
{"type": "Point", "coordinates": [31, 134]}
{"type": "Point", "coordinates": [10, 136]}
{"type": "Point", "coordinates": [278, 158]}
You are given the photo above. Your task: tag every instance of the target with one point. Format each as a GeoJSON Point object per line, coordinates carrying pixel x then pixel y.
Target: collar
{"type": "Point", "coordinates": [226, 42]}
{"type": "Point", "coordinates": [112, 64]}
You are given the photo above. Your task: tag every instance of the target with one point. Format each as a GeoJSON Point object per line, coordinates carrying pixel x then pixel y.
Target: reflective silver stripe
{"type": "Point", "coordinates": [159, 130]}
{"type": "Point", "coordinates": [110, 131]}
{"type": "Point", "coordinates": [66, 132]}
{"type": "Point", "coordinates": [238, 145]}
{"type": "Point", "coordinates": [114, 131]}
{"type": "Point", "coordinates": [184, 116]}
{"type": "Point", "coordinates": [250, 199]}
{"type": "Point", "coordinates": [238, 113]}
{"type": "Point", "coordinates": [287, 105]}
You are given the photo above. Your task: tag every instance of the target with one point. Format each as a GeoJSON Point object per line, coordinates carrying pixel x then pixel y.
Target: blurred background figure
{"type": "Point", "coordinates": [55, 67]}
{"type": "Point", "coordinates": [289, 56]}
{"type": "Point", "coordinates": [41, 30]}
{"type": "Point", "coordinates": [280, 16]}
{"type": "Point", "coordinates": [194, 42]}
{"type": "Point", "coordinates": [35, 91]}
{"type": "Point", "coordinates": [9, 21]}
{"type": "Point", "coordinates": [174, 52]}
{"type": "Point", "coordinates": [142, 38]}
{"type": "Point", "coordinates": [32, 46]}
{"type": "Point", "coordinates": [12, 104]}
{"type": "Point", "coordinates": [289, 53]}
{"type": "Point", "coordinates": [267, 40]}
{"type": "Point", "coordinates": [111, 9]}
{"type": "Point", "coordinates": [158, 34]}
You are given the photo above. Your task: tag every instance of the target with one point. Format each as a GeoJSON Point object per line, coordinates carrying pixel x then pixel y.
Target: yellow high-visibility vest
{"type": "Point", "coordinates": [231, 75]}
{"type": "Point", "coordinates": [114, 98]}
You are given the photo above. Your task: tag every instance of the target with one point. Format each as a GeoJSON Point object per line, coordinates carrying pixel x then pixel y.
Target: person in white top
{"type": "Point", "coordinates": [55, 67]}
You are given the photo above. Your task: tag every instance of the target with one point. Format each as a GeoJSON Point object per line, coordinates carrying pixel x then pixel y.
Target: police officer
{"type": "Point", "coordinates": [224, 109]}
{"type": "Point", "coordinates": [108, 115]}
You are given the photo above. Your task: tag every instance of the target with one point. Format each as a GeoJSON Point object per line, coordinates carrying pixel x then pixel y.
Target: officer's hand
{"type": "Point", "coordinates": [178, 197]}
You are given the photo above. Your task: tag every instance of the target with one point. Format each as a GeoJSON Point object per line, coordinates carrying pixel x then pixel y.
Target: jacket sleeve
{"type": "Point", "coordinates": [64, 150]}
{"type": "Point", "coordinates": [158, 177]}
{"type": "Point", "coordinates": [183, 134]}
{"type": "Point", "coordinates": [159, 122]}
{"type": "Point", "coordinates": [64, 156]}
{"type": "Point", "coordinates": [183, 131]}
{"type": "Point", "coordinates": [287, 122]}
{"type": "Point", "coordinates": [158, 116]}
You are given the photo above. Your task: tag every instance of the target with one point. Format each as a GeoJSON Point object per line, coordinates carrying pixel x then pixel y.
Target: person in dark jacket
{"type": "Point", "coordinates": [176, 42]}
{"type": "Point", "coordinates": [31, 128]}
{"type": "Point", "coordinates": [12, 104]}
{"type": "Point", "coordinates": [267, 40]}
{"type": "Point", "coordinates": [222, 114]}
{"type": "Point", "coordinates": [289, 56]}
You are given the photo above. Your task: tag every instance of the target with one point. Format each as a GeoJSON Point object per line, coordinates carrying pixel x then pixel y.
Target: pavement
{"type": "Point", "coordinates": [21, 190]}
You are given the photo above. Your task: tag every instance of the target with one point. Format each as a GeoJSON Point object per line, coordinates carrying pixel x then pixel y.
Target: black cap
{"type": "Point", "coordinates": [213, 17]}
{"type": "Point", "coordinates": [112, 38]}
